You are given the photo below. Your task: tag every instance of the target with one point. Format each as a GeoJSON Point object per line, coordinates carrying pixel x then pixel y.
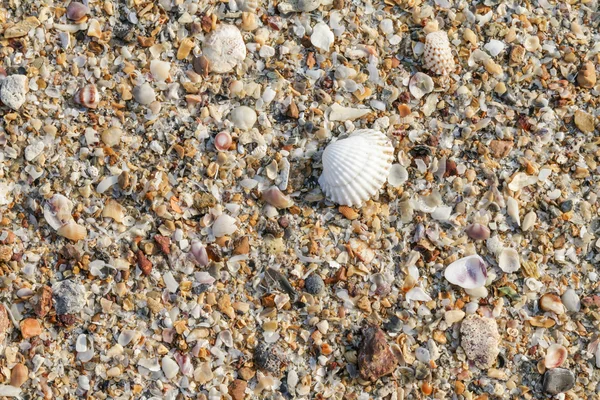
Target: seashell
{"type": "Point", "coordinates": [398, 175]}
{"type": "Point", "coordinates": [201, 66]}
{"type": "Point", "coordinates": [276, 198]}
{"type": "Point", "coordinates": [88, 96]}
{"type": "Point", "coordinates": [556, 355]}
{"type": "Point", "coordinates": [243, 117]}
{"type": "Point", "coordinates": [420, 84]}
{"type": "Point", "coordinates": [339, 113]}
{"type": "Point", "coordinates": [529, 220]}
{"type": "Point", "coordinates": [468, 272]}
{"type": "Point", "coordinates": [72, 231]}
{"type": "Point", "coordinates": [355, 168]}
{"type": "Point", "coordinates": [552, 302]}
{"type": "Point", "coordinates": [521, 180]}
{"type": "Point", "coordinates": [144, 94]}
{"type": "Point", "coordinates": [76, 11]}
{"type": "Point", "coordinates": [199, 253]}
{"type": "Point", "coordinates": [417, 294]}
{"type": "Point", "coordinates": [322, 37]}
{"type": "Point", "coordinates": [160, 70]}
{"type": "Point", "coordinates": [508, 260]}
{"type": "Point", "coordinates": [247, 5]}
{"type": "Point", "coordinates": [478, 231]}
{"type": "Point", "coordinates": [224, 225]}
{"type": "Point", "coordinates": [224, 48]}
{"type": "Point", "coordinates": [298, 6]}
{"type": "Point", "coordinates": [112, 136]}
{"type": "Point", "coordinates": [437, 54]}
{"type": "Point", "coordinates": [19, 375]}
{"type": "Point", "coordinates": [113, 210]}
{"type": "Point", "coordinates": [223, 141]}
{"type": "Point", "coordinates": [512, 209]}
{"type": "Point", "coordinates": [57, 211]}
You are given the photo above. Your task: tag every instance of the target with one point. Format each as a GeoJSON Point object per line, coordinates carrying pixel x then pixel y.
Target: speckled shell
{"type": "Point", "coordinates": [437, 55]}
{"type": "Point", "coordinates": [355, 168]}
{"type": "Point", "coordinates": [88, 96]}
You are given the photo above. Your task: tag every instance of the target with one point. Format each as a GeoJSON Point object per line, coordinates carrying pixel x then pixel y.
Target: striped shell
{"type": "Point", "coordinates": [437, 55]}
{"type": "Point", "coordinates": [355, 168]}
{"type": "Point", "coordinates": [88, 96]}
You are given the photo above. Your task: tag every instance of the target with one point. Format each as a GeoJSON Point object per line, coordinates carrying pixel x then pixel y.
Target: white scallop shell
{"type": "Point", "coordinates": [355, 168]}
{"type": "Point", "coordinates": [508, 260]}
{"type": "Point", "coordinates": [468, 272]}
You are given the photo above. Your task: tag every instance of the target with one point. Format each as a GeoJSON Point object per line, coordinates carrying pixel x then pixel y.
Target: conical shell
{"type": "Point", "coordinates": [355, 168]}
{"type": "Point", "coordinates": [468, 272]}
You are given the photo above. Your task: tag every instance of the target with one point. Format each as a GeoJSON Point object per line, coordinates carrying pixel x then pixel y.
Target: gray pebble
{"type": "Point", "coordinates": [313, 284]}
{"type": "Point", "coordinates": [69, 297]}
{"type": "Point", "coordinates": [144, 94]}
{"type": "Point", "coordinates": [13, 91]}
{"type": "Point", "coordinates": [269, 358]}
{"type": "Point", "coordinates": [558, 380]}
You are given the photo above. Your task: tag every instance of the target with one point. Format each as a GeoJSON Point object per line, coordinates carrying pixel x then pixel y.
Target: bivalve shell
{"type": "Point", "coordinates": [72, 231]}
{"type": "Point", "coordinates": [88, 96]}
{"type": "Point", "coordinates": [556, 355]}
{"type": "Point", "coordinates": [468, 272]}
{"type": "Point", "coordinates": [508, 260]}
{"type": "Point", "coordinates": [355, 168]}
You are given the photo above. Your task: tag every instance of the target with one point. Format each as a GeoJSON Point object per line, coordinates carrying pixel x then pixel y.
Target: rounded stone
{"type": "Point", "coordinates": [314, 284]}
{"type": "Point", "coordinates": [69, 297]}
{"type": "Point", "coordinates": [558, 380]}
{"type": "Point", "coordinates": [243, 117]}
{"type": "Point", "coordinates": [144, 94]}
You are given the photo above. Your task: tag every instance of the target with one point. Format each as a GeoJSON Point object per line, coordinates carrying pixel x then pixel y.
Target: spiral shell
{"type": "Point", "coordinates": [88, 96]}
{"type": "Point", "coordinates": [355, 168]}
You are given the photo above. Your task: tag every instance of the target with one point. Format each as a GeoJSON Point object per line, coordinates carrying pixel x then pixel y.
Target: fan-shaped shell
{"type": "Point", "coordinates": [355, 168]}
{"type": "Point", "coordinates": [224, 48]}
{"type": "Point", "coordinates": [468, 272]}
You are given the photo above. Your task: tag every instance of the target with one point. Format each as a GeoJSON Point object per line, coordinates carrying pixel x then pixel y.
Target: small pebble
{"type": "Point", "coordinates": [13, 90]}
{"type": "Point", "coordinates": [558, 380]}
{"type": "Point", "coordinates": [144, 94]}
{"type": "Point", "coordinates": [314, 284]}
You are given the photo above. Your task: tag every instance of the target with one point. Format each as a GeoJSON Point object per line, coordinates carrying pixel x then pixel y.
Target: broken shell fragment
{"type": "Point", "coordinates": [276, 198]}
{"type": "Point", "coordinates": [420, 84]}
{"type": "Point", "coordinates": [113, 210]}
{"type": "Point", "coordinates": [88, 96]}
{"type": "Point", "coordinates": [223, 141]}
{"type": "Point", "coordinates": [355, 168]}
{"type": "Point", "coordinates": [224, 48]}
{"type": "Point", "coordinates": [322, 37]}
{"type": "Point", "coordinates": [437, 54]}
{"type": "Point", "coordinates": [556, 355]}
{"type": "Point", "coordinates": [508, 260]}
{"type": "Point", "coordinates": [72, 231]}
{"type": "Point", "coordinates": [19, 375]}
{"type": "Point", "coordinates": [224, 225]}
{"type": "Point", "coordinates": [478, 231]}
{"type": "Point", "coordinates": [298, 6]}
{"type": "Point", "coordinates": [468, 272]}
{"type": "Point", "coordinates": [57, 211]}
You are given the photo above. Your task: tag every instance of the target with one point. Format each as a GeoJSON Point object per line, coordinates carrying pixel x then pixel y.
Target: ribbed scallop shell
{"type": "Point", "coordinates": [437, 55]}
{"type": "Point", "coordinates": [355, 168]}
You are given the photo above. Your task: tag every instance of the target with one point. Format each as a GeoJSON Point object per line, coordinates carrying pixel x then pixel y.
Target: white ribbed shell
{"type": "Point", "coordinates": [355, 168]}
{"type": "Point", "coordinates": [437, 55]}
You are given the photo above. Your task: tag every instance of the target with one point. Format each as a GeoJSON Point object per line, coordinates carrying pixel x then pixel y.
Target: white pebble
{"type": "Point", "coordinates": [34, 150]}
{"type": "Point", "coordinates": [322, 37]}
{"type": "Point", "coordinates": [571, 300]}
{"type": "Point", "coordinates": [170, 282]}
{"type": "Point", "coordinates": [495, 47]}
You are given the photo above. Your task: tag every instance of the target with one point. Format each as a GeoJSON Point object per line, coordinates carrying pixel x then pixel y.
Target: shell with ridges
{"type": "Point", "coordinates": [355, 168]}
{"type": "Point", "coordinates": [437, 54]}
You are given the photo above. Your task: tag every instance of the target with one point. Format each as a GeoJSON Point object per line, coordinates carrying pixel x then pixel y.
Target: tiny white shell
{"type": "Point", "coordinates": [437, 54]}
{"type": "Point", "coordinates": [508, 260]}
{"type": "Point", "coordinates": [417, 294]}
{"type": "Point", "coordinates": [224, 225]}
{"type": "Point", "coordinates": [276, 198]}
{"type": "Point", "coordinates": [468, 272]}
{"type": "Point", "coordinates": [398, 175]}
{"type": "Point", "coordinates": [57, 211]}
{"type": "Point", "coordinates": [355, 168]}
